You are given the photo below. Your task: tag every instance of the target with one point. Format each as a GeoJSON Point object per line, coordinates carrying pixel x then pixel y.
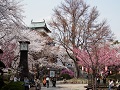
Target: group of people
{"type": "Point", "coordinates": [27, 83]}
{"type": "Point", "coordinates": [112, 83]}
{"type": "Point", "coordinates": [98, 80]}
{"type": "Point", "coordinates": [46, 81]}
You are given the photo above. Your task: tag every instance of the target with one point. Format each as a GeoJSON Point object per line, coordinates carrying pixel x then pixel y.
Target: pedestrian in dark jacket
{"type": "Point", "coordinates": [26, 83]}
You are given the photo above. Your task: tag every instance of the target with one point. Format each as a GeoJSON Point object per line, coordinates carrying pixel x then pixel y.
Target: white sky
{"type": "Point", "coordinates": [43, 9]}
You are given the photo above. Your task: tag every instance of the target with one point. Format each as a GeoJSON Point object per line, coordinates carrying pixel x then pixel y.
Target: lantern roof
{"type": "Point", "coordinates": [24, 42]}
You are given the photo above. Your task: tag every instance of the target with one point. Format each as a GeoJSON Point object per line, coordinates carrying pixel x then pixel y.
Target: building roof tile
{"type": "Point", "coordinates": [36, 25]}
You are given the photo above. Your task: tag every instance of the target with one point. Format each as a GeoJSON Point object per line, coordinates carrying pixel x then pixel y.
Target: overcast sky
{"type": "Point", "coordinates": [43, 9]}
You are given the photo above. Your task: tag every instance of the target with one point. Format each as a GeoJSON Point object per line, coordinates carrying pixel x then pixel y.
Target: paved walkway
{"type": "Point", "coordinates": [64, 87]}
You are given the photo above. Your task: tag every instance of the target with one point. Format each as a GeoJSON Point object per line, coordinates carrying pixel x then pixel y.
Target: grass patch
{"type": "Point", "coordinates": [13, 86]}
{"type": "Point", "coordinates": [76, 81]}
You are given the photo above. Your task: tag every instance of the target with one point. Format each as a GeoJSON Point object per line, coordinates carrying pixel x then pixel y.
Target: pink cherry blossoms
{"type": "Point", "coordinates": [99, 58]}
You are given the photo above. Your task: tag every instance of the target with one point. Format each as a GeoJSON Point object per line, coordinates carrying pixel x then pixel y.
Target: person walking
{"type": "Point", "coordinates": [111, 84]}
{"type": "Point", "coordinates": [104, 80]}
{"type": "Point", "coordinates": [44, 81]}
{"type": "Point", "coordinates": [118, 85]}
{"type": "Point", "coordinates": [37, 84]}
{"type": "Point", "coordinates": [15, 79]}
{"type": "Point", "coordinates": [26, 83]}
{"type": "Point", "coordinates": [47, 81]}
{"type": "Point", "coordinates": [54, 81]}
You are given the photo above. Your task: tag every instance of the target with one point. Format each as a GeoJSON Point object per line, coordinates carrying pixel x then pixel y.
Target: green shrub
{"type": "Point", "coordinates": [65, 76]}
{"type": "Point", "coordinates": [14, 86]}
{"type": "Point", "coordinates": [6, 77]}
{"type": "Point", "coordinates": [114, 76]}
{"type": "Point", "coordinates": [1, 82]}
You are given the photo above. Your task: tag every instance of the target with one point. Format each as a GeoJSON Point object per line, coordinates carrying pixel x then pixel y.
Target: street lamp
{"type": "Point", "coordinates": [2, 65]}
{"type": "Point", "coordinates": [1, 52]}
{"type": "Point", "coordinates": [23, 59]}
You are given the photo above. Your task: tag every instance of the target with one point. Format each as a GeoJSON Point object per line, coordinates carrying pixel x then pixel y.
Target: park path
{"type": "Point", "coordinates": [64, 87]}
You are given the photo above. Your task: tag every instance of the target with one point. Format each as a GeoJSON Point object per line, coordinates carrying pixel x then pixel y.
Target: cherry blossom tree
{"type": "Point", "coordinates": [97, 58]}
{"type": "Point", "coordinates": [12, 30]}
{"type": "Point", "coordinates": [75, 24]}
{"type": "Point", "coordinates": [40, 49]}
{"type": "Point", "coordinates": [10, 24]}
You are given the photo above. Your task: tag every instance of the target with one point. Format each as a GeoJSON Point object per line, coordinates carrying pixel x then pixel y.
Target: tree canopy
{"type": "Point", "coordinates": [76, 25]}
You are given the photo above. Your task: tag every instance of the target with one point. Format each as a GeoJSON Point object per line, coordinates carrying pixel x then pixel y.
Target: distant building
{"type": "Point", "coordinates": [42, 28]}
{"type": "Point", "coordinates": [39, 26]}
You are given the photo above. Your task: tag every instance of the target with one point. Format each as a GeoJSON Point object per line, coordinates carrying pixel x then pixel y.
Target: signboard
{"type": "Point", "coordinates": [52, 73]}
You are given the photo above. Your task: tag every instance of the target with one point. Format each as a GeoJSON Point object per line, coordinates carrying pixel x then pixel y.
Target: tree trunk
{"type": "Point", "coordinates": [76, 70]}
{"type": "Point", "coordinates": [76, 67]}
{"type": "Point", "coordinates": [94, 80]}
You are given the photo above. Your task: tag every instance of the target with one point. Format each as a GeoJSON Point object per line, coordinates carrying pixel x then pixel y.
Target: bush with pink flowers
{"type": "Point", "coordinates": [67, 74]}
